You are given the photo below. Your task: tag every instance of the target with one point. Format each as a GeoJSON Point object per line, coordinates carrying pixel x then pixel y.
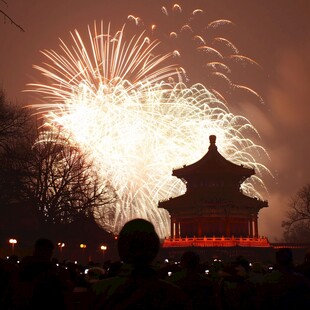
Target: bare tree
{"type": "Point", "coordinates": [13, 120]}
{"type": "Point", "coordinates": [297, 224]}
{"type": "Point", "coordinates": [61, 183]}
{"type": "Point", "coordinates": [44, 176]}
{"type": "Point", "coordinates": [7, 17]}
{"type": "Point", "coordinates": [15, 130]}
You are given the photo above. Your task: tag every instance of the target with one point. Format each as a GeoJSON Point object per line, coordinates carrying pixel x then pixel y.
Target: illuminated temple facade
{"type": "Point", "coordinates": [214, 207]}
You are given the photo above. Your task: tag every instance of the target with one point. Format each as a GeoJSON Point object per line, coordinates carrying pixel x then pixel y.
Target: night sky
{"type": "Point", "coordinates": [276, 34]}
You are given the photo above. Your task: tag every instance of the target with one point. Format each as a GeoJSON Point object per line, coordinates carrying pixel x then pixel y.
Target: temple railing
{"type": "Point", "coordinates": [291, 245]}
{"type": "Point", "coordinates": [216, 242]}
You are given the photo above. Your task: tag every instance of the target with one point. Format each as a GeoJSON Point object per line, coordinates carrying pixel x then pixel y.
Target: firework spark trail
{"type": "Point", "coordinates": [135, 127]}
{"type": "Point", "coordinates": [193, 37]}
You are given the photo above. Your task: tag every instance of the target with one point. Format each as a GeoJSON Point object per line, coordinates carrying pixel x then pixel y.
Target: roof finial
{"type": "Point", "coordinates": [212, 139]}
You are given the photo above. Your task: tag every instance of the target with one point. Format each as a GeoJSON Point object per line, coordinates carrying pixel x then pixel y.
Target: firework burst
{"type": "Point", "coordinates": [136, 121]}
{"type": "Point", "coordinates": [199, 43]}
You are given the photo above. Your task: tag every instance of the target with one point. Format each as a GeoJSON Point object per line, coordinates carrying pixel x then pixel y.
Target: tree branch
{"type": "Point", "coordinates": [11, 20]}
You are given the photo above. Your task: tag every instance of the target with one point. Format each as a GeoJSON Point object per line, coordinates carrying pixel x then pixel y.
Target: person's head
{"type": "Point", "coordinates": [190, 260]}
{"type": "Point", "coordinates": [13, 259]}
{"type": "Point", "coordinates": [94, 274]}
{"type": "Point", "coordinates": [138, 242]}
{"type": "Point", "coordinates": [307, 256]}
{"type": "Point", "coordinates": [258, 267]}
{"type": "Point", "coordinates": [243, 263]}
{"type": "Point", "coordinates": [43, 249]}
{"type": "Point", "coordinates": [284, 257]}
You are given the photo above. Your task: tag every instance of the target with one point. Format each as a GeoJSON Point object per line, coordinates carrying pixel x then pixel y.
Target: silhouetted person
{"type": "Point", "coordinates": [284, 288]}
{"type": "Point", "coordinates": [40, 286]}
{"type": "Point", "coordinates": [137, 285]}
{"type": "Point", "coordinates": [9, 272]}
{"type": "Point", "coordinates": [190, 279]}
{"type": "Point", "coordinates": [257, 273]}
{"type": "Point", "coordinates": [304, 268]}
{"type": "Point", "coordinates": [235, 291]}
{"type": "Point", "coordinates": [13, 259]}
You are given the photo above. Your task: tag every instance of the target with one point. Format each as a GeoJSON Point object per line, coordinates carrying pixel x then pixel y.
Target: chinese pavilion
{"type": "Point", "coordinates": [214, 207]}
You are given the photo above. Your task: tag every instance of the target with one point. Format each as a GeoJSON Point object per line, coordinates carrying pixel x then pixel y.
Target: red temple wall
{"type": "Point", "coordinates": [212, 227]}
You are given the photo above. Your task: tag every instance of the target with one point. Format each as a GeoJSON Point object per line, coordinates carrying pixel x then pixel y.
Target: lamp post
{"type": "Point", "coordinates": [103, 248]}
{"type": "Point", "coordinates": [61, 245]}
{"type": "Point", "coordinates": [13, 242]}
{"type": "Point", "coordinates": [83, 247]}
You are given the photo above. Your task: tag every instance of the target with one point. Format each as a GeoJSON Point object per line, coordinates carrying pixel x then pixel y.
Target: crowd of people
{"type": "Point", "coordinates": [138, 281]}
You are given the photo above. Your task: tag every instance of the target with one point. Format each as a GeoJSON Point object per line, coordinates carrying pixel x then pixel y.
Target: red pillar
{"type": "Point", "coordinates": [256, 226]}
{"type": "Point", "coordinates": [199, 229]}
{"type": "Point", "coordinates": [227, 227]}
{"type": "Point", "coordinates": [172, 230]}
{"type": "Point", "coordinates": [251, 226]}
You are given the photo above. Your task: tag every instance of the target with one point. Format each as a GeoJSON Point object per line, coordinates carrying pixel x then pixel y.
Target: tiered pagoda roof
{"type": "Point", "coordinates": [214, 204]}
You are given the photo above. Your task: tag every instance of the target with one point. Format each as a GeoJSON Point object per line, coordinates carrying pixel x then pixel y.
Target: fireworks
{"type": "Point", "coordinates": [199, 43]}
{"type": "Point", "coordinates": [133, 117]}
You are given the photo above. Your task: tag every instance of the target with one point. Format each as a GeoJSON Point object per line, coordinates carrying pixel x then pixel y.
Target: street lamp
{"type": "Point", "coordinates": [103, 248]}
{"type": "Point", "coordinates": [60, 245]}
{"type": "Point", "coordinates": [13, 242]}
{"type": "Point", "coordinates": [83, 247]}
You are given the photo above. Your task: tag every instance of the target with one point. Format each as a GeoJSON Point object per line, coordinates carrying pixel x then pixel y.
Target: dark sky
{"type": "Point", "coordinates": [276, 34]}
